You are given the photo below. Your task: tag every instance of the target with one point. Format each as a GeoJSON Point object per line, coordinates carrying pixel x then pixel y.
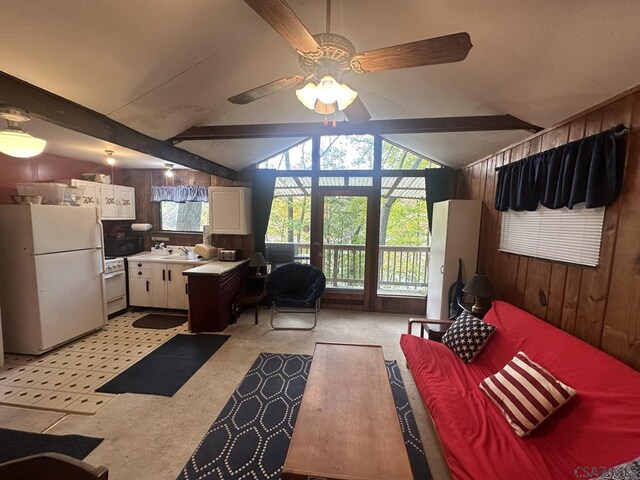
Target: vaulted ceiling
{"type": "Point", "coordinates": [163, 66]}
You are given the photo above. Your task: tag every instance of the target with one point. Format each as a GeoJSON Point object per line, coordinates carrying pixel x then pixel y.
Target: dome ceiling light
{"type": "Point", "coordinates": [14, 141]}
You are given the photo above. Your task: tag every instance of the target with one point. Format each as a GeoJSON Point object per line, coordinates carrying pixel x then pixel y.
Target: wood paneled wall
{"type": "Point", "coordinates": [600, 305]}
{"type": "Point", "coordinates": [149, 212]}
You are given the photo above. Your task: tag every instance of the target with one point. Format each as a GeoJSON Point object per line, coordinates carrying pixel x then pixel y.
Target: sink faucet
{"type": "Point", "coordinates": [184, 250]}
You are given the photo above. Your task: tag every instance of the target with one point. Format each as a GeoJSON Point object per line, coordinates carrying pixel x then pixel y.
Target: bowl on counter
{"type": "Point", "coordinates": [27, 199]}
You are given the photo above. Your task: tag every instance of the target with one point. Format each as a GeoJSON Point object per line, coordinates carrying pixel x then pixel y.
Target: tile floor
{"type": "Point", "coordinates": [64, 380]}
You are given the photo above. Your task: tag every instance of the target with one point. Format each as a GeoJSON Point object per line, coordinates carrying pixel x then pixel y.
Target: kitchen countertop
{"type": "Point", "coordinates": [158, 258]}
{"type": "Point", "coordinates": [214, 268]}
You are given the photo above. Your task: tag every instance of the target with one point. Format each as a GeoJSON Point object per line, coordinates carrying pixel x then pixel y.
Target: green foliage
{"type": "Point", "coordinates": [281, 223]}
{"type": "Point", "coordinates": [346, 152]}
{"type": "Point", "coordinates": [299, 158]}
{"type": "Point", "coordinates": [398, 158]}
{"type": "Point", "coordinates": [345, 220]}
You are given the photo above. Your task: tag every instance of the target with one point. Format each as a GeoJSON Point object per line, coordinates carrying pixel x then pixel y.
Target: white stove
{"type": "Point", "coordinates": [115, 284]}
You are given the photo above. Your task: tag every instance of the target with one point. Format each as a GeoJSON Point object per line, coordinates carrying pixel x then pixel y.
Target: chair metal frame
{"type": "Point", "coordinates": [315, 312]}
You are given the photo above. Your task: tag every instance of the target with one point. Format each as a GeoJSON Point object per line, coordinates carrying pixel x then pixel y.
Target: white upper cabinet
{"type": "Point", "coordinates": [91, 194]}
{"type": "Point", "coordinates": [108, 203]}
{"type": "Point", "coordinates": [230, 210]}
{"type": "Point", "coordinates": [114, 202]}
{"type": "Point", "coordinates": [126, 198]}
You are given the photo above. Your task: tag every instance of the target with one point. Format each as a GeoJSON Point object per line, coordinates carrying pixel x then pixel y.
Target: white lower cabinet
{"type": "Point", "coordinates": [177, 286]}
{"type": "Point", "coordinates": [140, 287]}
{"type": "Point", "coordinates": [155, 284]}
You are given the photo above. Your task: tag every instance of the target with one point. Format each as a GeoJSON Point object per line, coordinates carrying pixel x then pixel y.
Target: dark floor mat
{"type": "Point", "coordinates": [16, 444]}
{"type": "Point", "coordinates": [159, 321]}
{"type": "Point", "coordinates": [168, 367]}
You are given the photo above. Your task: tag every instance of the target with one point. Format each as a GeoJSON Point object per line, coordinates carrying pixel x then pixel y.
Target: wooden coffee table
{"type": "Point", "coordinates": [347, 426]}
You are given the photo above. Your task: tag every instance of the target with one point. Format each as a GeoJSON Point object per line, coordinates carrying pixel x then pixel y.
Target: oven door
{"type": "Point", "coordinates": [115, 285]}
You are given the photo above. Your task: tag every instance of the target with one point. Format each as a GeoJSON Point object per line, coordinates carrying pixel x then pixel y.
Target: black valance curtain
{"type": "Point", "coordinates": [588, 170]}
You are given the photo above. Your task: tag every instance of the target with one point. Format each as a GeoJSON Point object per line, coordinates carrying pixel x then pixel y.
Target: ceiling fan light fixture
{"type": "Point", "coordinates": [308, 95]}
{"type": "Point", "coordinates": [322, 98]}
{"type": "Point", "coordinates": [345, 96]}
{"type": "Point", "coordinates": [328, 89]}
{"type": "Point", "coordinates": [324, 108]}
{"type": "Point", "coordinates": [169, 170]}
{"type": "Point", "coordinates": [13, 140]}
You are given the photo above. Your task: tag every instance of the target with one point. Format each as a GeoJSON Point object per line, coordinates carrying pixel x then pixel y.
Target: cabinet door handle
{"type": "Point", "coordinates": [186, 289]}
{"type": "Point", "coordinates": [139, 264]}
{"type": "Point", "coordinates": [163, 275]}
{"type": "Point", "coordinates": [442, 269]}
{"type": "Point", "coordinates": [147, 285]}
{"type": "Point", "coordinates": [169, 272]}
{"type": "Point", "coordinates": [139, 273]}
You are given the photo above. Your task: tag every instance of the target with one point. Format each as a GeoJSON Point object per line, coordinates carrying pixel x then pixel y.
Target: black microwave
{"type": "Point", "coordinates": [120, 247]}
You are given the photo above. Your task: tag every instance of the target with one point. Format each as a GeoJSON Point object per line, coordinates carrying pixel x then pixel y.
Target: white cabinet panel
{"type": "Point", "coordinates": [176, 293]}
{"type": "Point", "coordinates": [230, 210]}
{"type": "Point", "coordinates": [455, 235]}
{"type": "Point", "coordinates": [108, 202]}
{"type": "Point", "coordinates": [91, 193]}
{"type": "Point", "coordinates": [159, 285]}
{"type": "Point", "coordinates": [125, 198]}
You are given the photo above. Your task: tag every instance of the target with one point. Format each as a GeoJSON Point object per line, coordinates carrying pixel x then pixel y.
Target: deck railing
{"type": "Point", "coordinates": [400, 269]}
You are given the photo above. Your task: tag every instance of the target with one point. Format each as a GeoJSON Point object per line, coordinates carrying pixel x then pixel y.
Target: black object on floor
{"type": "Point", "coordinates": [158, 321]}
{"type": "Point", "coordinates": [168, 367]}
{"type": "Point", "coordinates": [251, 436]}
{"type": "Point", "coordinates": [16, 444]}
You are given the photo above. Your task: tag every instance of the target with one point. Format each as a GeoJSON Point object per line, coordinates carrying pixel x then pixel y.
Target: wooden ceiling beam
{"type": "Point", "coordinates": [374, 127]}
{"type": "Point", "coordinates": [59, 111]}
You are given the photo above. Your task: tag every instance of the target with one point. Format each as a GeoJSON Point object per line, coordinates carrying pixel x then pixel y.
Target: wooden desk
{"type": "Point", "coordinates": [347, 427]}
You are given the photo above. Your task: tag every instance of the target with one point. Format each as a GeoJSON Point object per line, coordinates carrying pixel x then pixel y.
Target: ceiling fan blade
{"type": "Point", "coordinates": [432, 51]}
{"type": "Point", "coordinates": [283, 20]}
{"type": "Point", "coordinates": [357, 112]}
{"type": "Point", "coordinates": [267, 89]}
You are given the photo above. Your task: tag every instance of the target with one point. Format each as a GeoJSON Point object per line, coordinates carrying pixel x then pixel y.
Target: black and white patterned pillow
{"type": "Point", "coordinates": [467, 336]}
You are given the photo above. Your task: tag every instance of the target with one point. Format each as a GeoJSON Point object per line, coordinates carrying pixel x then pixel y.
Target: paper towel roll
{"type": "Point", "coordinates": [141, 227]}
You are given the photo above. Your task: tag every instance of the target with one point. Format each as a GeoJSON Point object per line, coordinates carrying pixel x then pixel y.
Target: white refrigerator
{"type": "Point", "coordinates": [51, 275]}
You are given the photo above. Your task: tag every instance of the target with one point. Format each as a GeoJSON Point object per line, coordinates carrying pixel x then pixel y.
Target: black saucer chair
{"type": "Point", "coordinates": [297, 287]}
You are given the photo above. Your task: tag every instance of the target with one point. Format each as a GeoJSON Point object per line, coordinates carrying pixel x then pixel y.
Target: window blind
{"type": "Point", "coordinates": [563, 235]}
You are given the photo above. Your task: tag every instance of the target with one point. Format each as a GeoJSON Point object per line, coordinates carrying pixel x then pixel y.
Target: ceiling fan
{"type": "Point", "coordinates": [326, 57]}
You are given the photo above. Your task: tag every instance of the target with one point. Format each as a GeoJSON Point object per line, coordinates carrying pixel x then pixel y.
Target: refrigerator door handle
{"type": "Point", "coordinates": [104, 267]}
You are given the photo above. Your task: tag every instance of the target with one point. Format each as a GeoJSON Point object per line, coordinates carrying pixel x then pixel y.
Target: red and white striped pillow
{"type": "Point", "coordinates": [526, 393]}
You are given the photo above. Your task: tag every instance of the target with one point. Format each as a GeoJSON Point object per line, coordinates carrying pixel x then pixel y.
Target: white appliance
{"type": "Point", "coordinates": [115, 284]}
{"type": "Point", "coordinates": [51, 275]}
{"type": "Point", "coordinates": [455, 234]}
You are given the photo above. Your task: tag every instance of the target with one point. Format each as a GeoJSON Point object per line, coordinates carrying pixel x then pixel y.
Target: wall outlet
{"type": "Point", "coordinates": [160, 239]}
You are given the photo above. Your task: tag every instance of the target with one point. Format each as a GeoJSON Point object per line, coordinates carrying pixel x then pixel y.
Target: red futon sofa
{"type": "Point", "coordinates": [598, 428]}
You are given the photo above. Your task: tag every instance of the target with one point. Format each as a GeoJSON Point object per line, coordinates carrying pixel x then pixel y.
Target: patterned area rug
{"type": "Point", "coordinates": [250, 437]}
